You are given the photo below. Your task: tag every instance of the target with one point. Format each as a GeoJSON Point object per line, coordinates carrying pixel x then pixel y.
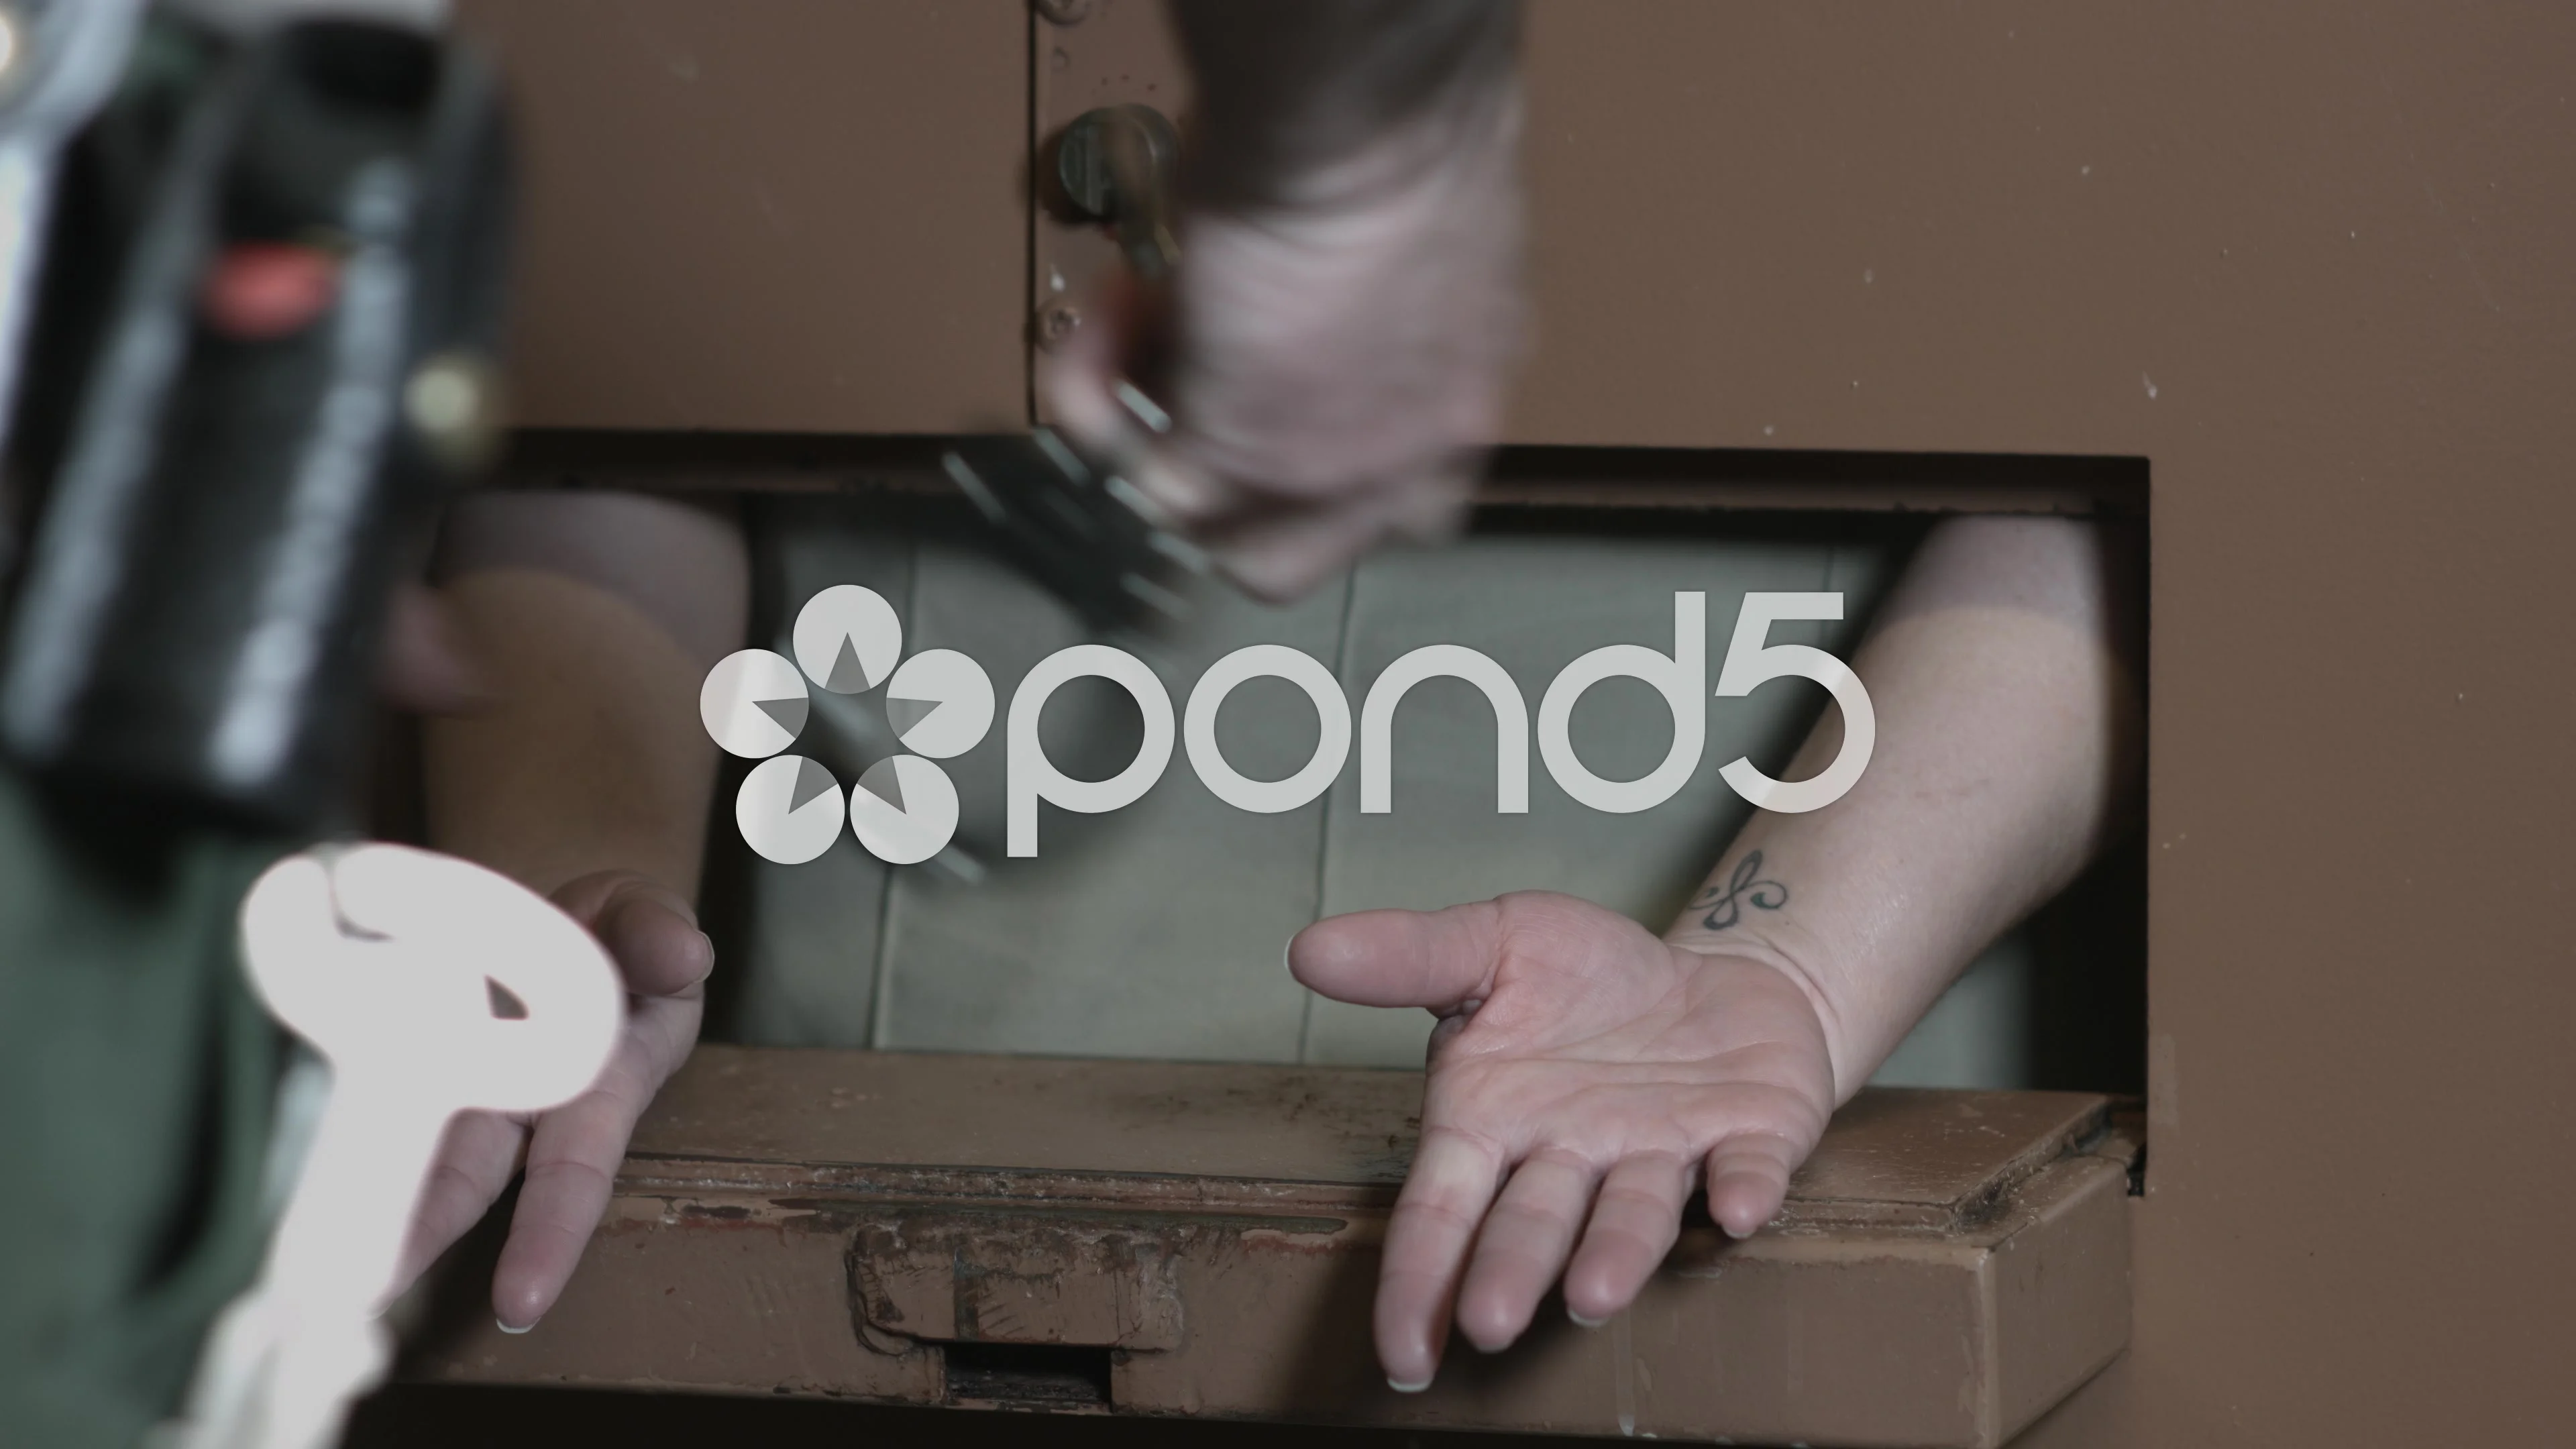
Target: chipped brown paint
{"type": "Point", "coordinates": [1948, 1264]}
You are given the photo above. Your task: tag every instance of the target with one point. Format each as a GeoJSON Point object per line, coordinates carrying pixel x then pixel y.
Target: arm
{"type": "Point", "coordinates": [1347, 307]}
{"type": "Point", "coordinates": [593, 617]}
{"type": "Point", "coordinates": [1584, 1074]}
{"type": "Point", "coordinates": [2005, 680]}
{"type": "Point", "coordinates": [597, 615]}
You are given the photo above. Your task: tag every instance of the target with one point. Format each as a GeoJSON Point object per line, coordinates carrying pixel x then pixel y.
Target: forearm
{"type": "Point", "coordinates": [594, 618]}
{"type": "Point", "coordinates": [2008, 727]}
{"type": "Point", "coordinates": [1296, 96]}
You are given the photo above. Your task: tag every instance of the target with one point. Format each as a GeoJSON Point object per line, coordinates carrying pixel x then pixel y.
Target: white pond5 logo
{"type": "Point", "coordinates": [847, 640]}
{"type": "Point", "coordinates": [940, 704]}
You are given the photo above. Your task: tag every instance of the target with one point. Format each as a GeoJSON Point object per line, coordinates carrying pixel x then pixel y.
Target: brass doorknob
{"type": "Point", "coordinates": [1120, 164]}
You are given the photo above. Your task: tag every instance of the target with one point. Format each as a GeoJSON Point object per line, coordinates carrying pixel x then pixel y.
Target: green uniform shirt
{"type": "Point", "coordinates": [137, 1077]}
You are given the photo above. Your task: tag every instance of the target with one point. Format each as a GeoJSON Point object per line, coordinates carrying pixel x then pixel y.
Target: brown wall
{"type": "Point", "coordinates": [780, 215]}
{"type": "Point", "coordinates": [2311, 261]}
{"type": "Point", "coordinates": [2337, 240]}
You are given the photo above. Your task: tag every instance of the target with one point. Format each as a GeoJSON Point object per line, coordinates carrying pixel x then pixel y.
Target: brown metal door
{"type": "Point", "coordinates": [2305, 260]}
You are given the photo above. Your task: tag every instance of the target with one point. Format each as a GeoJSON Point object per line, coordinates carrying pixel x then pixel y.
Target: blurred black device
{"type": "Point", "coordinates": [263, 346]}
{"type": "Point", "coordinates": [1078, 527]}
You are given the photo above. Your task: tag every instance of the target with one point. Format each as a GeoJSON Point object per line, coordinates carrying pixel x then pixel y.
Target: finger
{"type": "Point", "coordinates": [1279, 554]}
{"type": "Point", "coordinates": [1522, 1247]}
{"type": "Point", "coordinates": [476, 1160]}
{"type": "Point", "coordinates": [1634, 1222]}
{"type": "Point", "coordinates": [650, 930]}
{"type": "Point", "coordinates": [657, 943]}
{"type": "Point", "coordinates": [427, 665]}
{"type": "Point", "coordinates": [662, 1030]}
{"type": "Point", "coordinates": [1186, 497]}
{"type": "Point", "coordinates": [1444, 1198]}
{"type": "Point", "coordinates": [1078, 382]}
{"type": "Point", "coordinates": [1279, 548]}
{"type": "Point", "coordinates": [572, 1169]}
{"type": "Point", "coordinates": [1435, 959]}
{"type": "Point", "coordinates": [1748, 1179]}
{"type": "Point", "coordinates": [1283, 571]}
{"type": "Point", "coordinates": [1448, 1028]}
{"type": "Point", "coordinates": [586, 898]}
{"type": "Point", "coordinates": [1074, 375]}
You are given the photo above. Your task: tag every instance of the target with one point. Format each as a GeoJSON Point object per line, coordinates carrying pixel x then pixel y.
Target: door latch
{"type": "Point", "coordinates": [1120, 165]}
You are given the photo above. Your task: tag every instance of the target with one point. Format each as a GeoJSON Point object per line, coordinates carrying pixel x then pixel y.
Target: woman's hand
{"type": "Point", "coordinates": [1584, 1077]}
{"type": "Point", "coordinates": [571, 1154]}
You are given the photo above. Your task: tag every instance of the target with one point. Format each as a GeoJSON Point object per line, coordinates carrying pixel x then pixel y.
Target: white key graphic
{"type": "Point", "coordinates": [431, 986]}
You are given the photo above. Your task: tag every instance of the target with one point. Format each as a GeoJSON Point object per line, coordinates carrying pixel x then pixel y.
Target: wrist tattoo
{"type": "Point", "coordinates": [1725, 904]}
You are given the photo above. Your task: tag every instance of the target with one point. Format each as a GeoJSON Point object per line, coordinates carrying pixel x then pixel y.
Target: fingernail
{"type": "Point", "coordinates": [505, 1328]}
{"type": "Point", "coordinates": [1176, 493]}
{"type": "Point", "coordinates": [1582, 1322]}
{"type": "Point", "coordinates": [1143, 409]}
{"type": "Point", "coordinates": [1403, 1388]}
{"type": "Point", "coordinates": [1283, 958]}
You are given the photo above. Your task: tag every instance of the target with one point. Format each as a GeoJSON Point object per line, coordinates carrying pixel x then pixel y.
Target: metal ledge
{"type": "Point", "coordinates": [1161, 1238]}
